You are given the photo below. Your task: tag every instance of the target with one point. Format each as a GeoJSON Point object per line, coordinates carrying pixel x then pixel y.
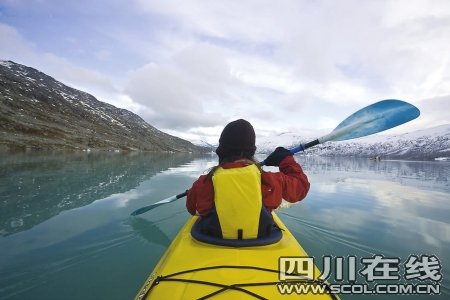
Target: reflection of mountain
{"type": "Point", "coordinates": [427, 174]}
{"type": "Point", "coordinates": [34, 188]}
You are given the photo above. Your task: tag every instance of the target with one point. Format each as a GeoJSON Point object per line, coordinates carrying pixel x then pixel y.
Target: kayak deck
{"type": "Point", "coordinates": [190, 269]}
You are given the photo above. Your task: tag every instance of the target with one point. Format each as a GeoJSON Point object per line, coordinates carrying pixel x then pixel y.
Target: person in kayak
{"type": "Point", "coordinates": [236, 197]}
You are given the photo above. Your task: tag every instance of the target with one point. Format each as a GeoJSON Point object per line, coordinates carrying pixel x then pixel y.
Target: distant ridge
{"type": "Point", "coordinates": [39, 112]}
{"type": "Point", "coordinates": [428, 144]}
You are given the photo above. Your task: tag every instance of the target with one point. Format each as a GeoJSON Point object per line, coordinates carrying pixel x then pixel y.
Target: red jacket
{"type": "Point", "coordinates": [290, 184]}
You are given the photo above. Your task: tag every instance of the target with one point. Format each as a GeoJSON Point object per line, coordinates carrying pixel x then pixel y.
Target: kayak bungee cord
{"type": "Point", "coordinates": [234, 287]}
{"type": "Point", "coordinates": [304, 281]}
{"type": "Point", "coordinates": [240, 287]}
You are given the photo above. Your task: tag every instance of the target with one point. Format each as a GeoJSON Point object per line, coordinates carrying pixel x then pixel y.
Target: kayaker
{"type": "Point", "coordinates": [236, 197]}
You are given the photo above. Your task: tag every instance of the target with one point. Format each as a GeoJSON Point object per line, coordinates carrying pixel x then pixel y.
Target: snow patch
{"type": "Point", "coordinates": [442, 158]}
{"type": "Point", "coordinates": [6, 64]}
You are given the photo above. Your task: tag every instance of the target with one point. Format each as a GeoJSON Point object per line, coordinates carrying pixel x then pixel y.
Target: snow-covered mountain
{"type": "Point", "coordinates": [432, 143]}
{"type": "Point", "coordinates": [204, 144]}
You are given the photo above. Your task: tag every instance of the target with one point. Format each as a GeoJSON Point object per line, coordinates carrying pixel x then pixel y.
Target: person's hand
{"type": "Point", "coordinates": [277, 156]}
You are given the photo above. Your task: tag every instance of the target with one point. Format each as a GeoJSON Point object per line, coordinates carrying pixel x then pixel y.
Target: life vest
{"type": "Point", "coordinates": [238, 201]}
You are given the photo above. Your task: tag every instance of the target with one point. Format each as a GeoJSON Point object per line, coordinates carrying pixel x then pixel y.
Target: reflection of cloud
{"type": "Point", "coordinates": [433, 232]}
{"type": "Point", "coordinates": [121, 200]}
{"type": "Point", "coordinates": [193, 169]}
{"type": "Point", "coordinates": [347, 219]}
{"type": "Point", "coordinates": [328, 188]}
{"type": "Point", "coordinates": [416, 209]}
{"type": "Point", "coordinates": [386, 204]}
{"type": "Point", "coordinates": [410, 209]}
{"type": "Point", "coordinates": [396, 196]}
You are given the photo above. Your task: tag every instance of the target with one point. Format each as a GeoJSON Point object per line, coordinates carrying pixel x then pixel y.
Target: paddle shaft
{"type": "Point", "coordinates": [154, 205]}
{"type": "Point", "coordinates": [303, 147]}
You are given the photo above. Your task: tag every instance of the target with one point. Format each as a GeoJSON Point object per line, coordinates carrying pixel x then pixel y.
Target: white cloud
{"type": "Point", "coordinates": [177, 93]}
{"type": "Point", "coordinates": [74, 75]}
{"type": "Point", "coordinates": [206, 85]}
{"type": "Point", "coordinates": [263, 73]}
{"type": "Point", "coordinates": [13, 44]}
{"type": "Point", "coordinates": [251, 20]}
{"type": "Point", "coordinates": [327, 123]}
{"type": "Point", "coordinates": [14, 47]}
{"type": "Point", "coordinates": [340, 57]}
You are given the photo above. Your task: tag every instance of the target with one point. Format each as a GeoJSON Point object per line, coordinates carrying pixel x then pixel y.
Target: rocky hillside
{"type": "Point", "coordinates": [39, 112]}
{"type": "Point", "coordinates": [428, 144]}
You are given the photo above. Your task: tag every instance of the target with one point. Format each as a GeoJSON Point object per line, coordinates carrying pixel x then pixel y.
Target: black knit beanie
{"type": "Point", "coordinates": [237, 137]}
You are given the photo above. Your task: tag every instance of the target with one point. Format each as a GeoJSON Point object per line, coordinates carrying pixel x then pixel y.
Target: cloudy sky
{"type": "Point", "coordinates": [188, 67]}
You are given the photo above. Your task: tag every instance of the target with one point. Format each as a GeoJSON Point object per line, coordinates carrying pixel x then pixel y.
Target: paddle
{"type": "Point", "coordinates": [371, 119]}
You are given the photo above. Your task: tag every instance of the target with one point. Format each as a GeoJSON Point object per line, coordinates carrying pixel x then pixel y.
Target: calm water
{"type": "Point", "coordinates": [66, 233]}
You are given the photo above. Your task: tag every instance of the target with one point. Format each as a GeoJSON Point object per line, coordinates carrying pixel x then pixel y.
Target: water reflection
{"type": "Point", "coordinates": [150, 232]}
{"type": "Point", "coordinates": [355, 207]}
{"type": "Point", "coordinates": [35, 187]}
{"type": "Point", "coordinates": [378, 199]}
{"type": "Point", "coordinates": [431, 174]}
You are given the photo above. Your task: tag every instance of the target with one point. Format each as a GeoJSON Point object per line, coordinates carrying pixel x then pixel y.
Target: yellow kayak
{"type": "Point", "coordinates": [190, 269]}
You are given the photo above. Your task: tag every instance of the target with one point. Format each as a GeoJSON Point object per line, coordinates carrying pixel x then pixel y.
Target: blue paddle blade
{"type": "Point", "coordinates": [374, 118]}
